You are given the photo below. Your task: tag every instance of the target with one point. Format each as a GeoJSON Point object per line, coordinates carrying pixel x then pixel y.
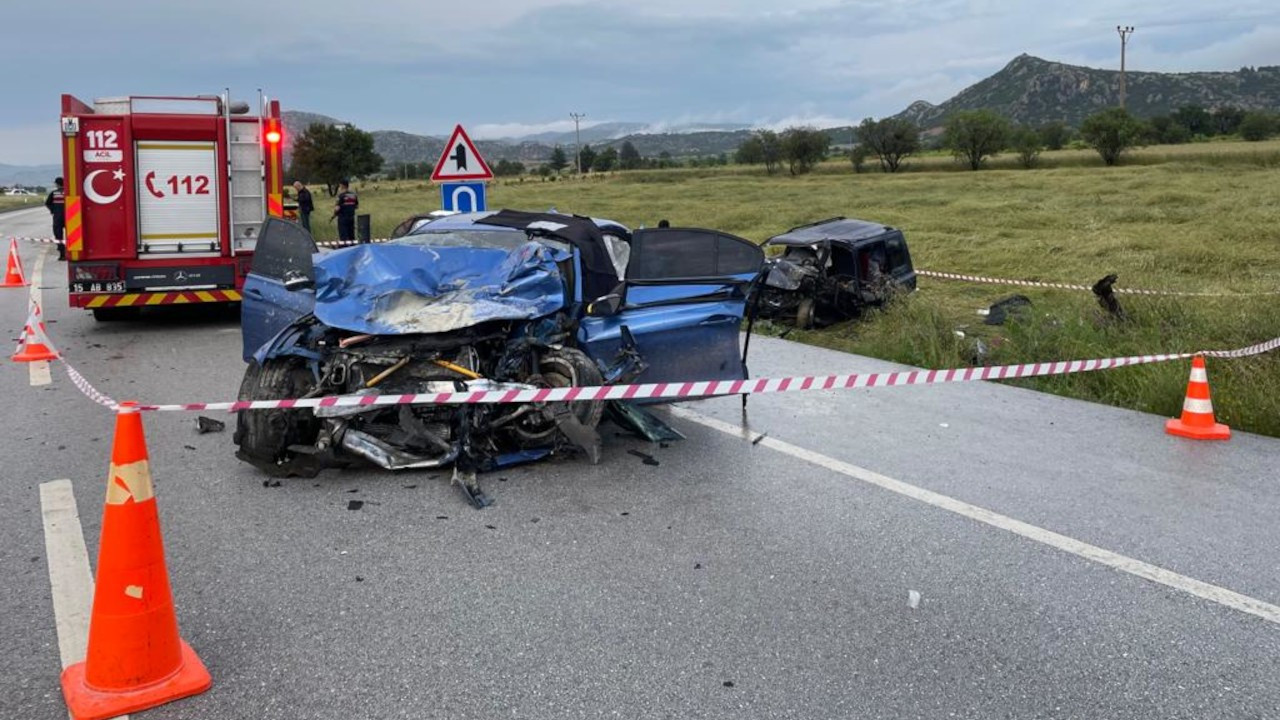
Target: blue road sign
{"type": "Point", "coordinates": [463, 196]}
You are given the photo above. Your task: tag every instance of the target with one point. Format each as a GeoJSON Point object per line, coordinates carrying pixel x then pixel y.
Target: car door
{"type": "Point", "coordinates": [685, 297]}
{"type": "Point", "coordinates": [280, 286]}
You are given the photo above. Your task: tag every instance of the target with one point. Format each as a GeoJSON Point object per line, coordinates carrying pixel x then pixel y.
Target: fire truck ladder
{"type": "Point", "coordinates": [246, 176]}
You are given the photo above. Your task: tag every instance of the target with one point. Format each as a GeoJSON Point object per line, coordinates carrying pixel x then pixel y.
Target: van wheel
{"type": "Point", "coordinates": [112, 314]}
{"type": "Point", "coordinates": [805, 313]}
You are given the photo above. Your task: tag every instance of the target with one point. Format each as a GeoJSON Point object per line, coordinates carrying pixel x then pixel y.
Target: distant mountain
{"type": "Point", "coordinates": [1034, 91]}
{"type": "Point", "coordinates": [396, 146]}
{"type": "Point", "coordinates": [29, 175]}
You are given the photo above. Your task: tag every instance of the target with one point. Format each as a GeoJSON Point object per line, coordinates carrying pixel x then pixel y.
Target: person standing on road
{"type": "Point", "coordinates": [345, 210]}
{"type": "Point", "coordinates": [305, 205]}
{"type": "Point", "coordinates": [57, 204]}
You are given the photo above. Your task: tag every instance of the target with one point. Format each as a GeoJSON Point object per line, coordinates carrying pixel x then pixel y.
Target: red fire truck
{"type": "Point", "coordinates": [165, 197]}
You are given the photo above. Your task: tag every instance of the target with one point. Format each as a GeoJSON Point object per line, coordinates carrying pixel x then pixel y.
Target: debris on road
{"type": "Point", "coordinates": [355, 504]}
{"type": "Point", "coordinates": [759, 437]}
{"type": "Point", "coordinates": [647, 458]}
{"type": "Point", "coordinates": [209, 425]}
{"type": "Point", "coordinates": [913, 599]}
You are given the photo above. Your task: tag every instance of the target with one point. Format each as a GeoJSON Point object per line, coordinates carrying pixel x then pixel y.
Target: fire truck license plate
{"type": "Point", "coordinates": [98, 287]}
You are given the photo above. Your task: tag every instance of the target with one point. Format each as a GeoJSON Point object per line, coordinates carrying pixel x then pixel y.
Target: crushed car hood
{"type": "Point", "coordinates": [408, 289]}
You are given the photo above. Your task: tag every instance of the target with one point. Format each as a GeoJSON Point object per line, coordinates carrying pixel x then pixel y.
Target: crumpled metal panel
{"type": "Point", "coordinates": [410, 289]}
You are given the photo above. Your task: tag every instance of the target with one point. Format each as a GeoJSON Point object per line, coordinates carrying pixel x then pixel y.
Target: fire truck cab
{"type": "Point", "coordinates": [165, 198]}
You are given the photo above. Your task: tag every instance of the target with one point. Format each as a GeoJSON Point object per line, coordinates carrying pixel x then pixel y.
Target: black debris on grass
{"type": "Point", "coordinates": [728, 683]}
{"type": "Point", "coordinates": [534, 520]}
{"type": "Point", "coordinates": [697, 566]}
{"type": "Point", "coordinates": [359, 579]}
{"type": "Point", "coordinates": [410, 487]}
{"type": "Point", "coordinates": [442, 517]}
{"type": "Point", "coordinates": [352, 490]}
{"type": "Point", "coordinates": [189, 447]}
{"type": "Point", "coordinates": [355, 504]}
{"type": "Point", "coordinates": [491, 527]}
{"type": "Point", "coordinates": [270, 483]}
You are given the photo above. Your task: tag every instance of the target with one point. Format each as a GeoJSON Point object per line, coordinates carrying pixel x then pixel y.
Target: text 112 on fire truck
{"type": "Point", "coordinates": [165, 197]}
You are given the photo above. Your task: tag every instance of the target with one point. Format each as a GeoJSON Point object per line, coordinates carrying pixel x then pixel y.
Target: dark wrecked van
{"type": "Point", "coordinates": [830, 270]}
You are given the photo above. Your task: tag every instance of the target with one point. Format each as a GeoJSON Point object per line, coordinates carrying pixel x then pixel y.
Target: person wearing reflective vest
{"type": "Point", "coordinates": [345, 210]}
{"type": "Point", "coordinates": [57, 204]}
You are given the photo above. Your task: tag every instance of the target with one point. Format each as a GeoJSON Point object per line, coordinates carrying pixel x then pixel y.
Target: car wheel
{"type": "Point", "coordinates": [264, 436]}
{"type": "Point", "coordinates": [566, 367]}
{"type": "Point", "coordinates": [112, 314]}
{"type": "Point", "coordinates": [805, 314]}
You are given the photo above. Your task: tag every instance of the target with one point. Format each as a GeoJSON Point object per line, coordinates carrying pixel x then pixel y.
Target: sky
{"type": "Point", "coordinates": [510, 67]}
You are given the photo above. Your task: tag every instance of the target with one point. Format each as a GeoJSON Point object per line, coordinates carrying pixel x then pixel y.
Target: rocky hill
{"type": "Point", "coordinates": [1034, 91]}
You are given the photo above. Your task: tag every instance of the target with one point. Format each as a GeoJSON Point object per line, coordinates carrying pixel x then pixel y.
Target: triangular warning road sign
{"type": "Point", "coordinates": [460, 160]}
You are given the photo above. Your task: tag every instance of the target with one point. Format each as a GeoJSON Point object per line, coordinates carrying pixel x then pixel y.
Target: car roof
{"type": "Point", "coordinates": [850, 230]}
{"type": "Point", "coordinates": [467, 221]}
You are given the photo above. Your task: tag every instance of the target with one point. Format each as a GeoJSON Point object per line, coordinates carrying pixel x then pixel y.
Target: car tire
{"type": "Point", "coordinates": [264, 436]}
{"type": "Point", "coordinates": [568, 367]}
{"type": "Point", "coordinates": [112, 314]}
{"type": "Point", "coordinates": [806, 313]}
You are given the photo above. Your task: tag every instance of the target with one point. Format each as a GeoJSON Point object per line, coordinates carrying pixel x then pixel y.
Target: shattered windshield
{"type": "Point", "coordinates": [497, 239]}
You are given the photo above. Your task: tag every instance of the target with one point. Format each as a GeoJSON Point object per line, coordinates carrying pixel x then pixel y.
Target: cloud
{"type": "Point", "coordinates": [499, 66]}
{"type": "Point", "coordinates": [29, 145]}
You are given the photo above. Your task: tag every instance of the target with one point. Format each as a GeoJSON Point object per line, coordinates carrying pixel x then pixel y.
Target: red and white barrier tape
{"type": "Point", "coordinates": [35, 239]}
{"type": "Point", "coordinates": [1085, 288]}
{"type": "Point", "coordinates": [690, 389]}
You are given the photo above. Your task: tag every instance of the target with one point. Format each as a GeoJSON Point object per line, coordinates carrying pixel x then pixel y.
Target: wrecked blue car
{"type": "Point", "coordinates": [479, 301]}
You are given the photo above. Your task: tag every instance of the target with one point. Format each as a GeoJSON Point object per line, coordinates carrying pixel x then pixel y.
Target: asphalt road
{"type": "Point", "coordinates": [731, 580]}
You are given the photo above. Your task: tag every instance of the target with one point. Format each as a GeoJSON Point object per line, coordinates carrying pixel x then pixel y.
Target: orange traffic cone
{"type": "Point", "coordinates": [13, 276]}
{"type": "Point", "coordinates": [34, 343]}
{"type": "Point", "coordinates": [135, 658]}
{"type": "Point", "coordinates": [1197, 421]}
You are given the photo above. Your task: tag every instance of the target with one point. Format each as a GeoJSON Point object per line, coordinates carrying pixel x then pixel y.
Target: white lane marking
{"type": "Point", "coordinates": [69, 577]}
{"type": "Point", "coordinates": [38, 371]}
{"type": "Point", "coordinates": [1102, 556]}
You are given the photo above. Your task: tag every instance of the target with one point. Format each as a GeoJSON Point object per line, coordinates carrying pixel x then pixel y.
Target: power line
{"type": "Point", "coordinates": [1125, 31]}
{"type": "Point", "coordinates": [577, 117]}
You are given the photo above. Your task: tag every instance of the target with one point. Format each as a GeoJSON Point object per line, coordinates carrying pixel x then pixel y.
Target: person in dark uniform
{"type": "Point", "coordinates": [305, 205]}
{"type": "Point", "coordinates": [57, 204]}
{"type": "Point", "coordinates": [345, 210]}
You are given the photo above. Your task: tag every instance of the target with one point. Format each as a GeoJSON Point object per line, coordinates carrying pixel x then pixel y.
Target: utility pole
{"type": "Point", "coordinates": [577, 118]}
{"type": "Point", "coordinates": [1125, 31]}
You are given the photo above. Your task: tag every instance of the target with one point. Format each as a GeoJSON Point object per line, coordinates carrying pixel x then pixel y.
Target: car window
{"type": "Point", "coordinates": [619, 253]}
{"type": "Point", "coordinates": [896, 248]}
{"type": "Point", "coordinates": [664, 254]}
{"type": "Point", "coordinates": [283, 247]}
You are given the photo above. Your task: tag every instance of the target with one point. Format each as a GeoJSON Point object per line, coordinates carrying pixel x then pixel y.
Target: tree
{"type": "Point", "coordinates": [508, 168]}
{"type": "Point", "coordinates": [1194, 118]}
{"type": "Point", "coordinates": [1111, 132]}
{"type": "Point", "coordinates": [1257, 126]}
{"type": "Point", "coordinates": [587, 157]}
{"type": "Point", "coordinates": [858, 156]}
{"type": "Point", "coordinates": [329, 153]}
{"type": "Point", "coordinates": [750, 151]}
{"type": "Point", "coordinates": [771, 150]}
{"type": "Point", "coordinates": [1055, 135]}
{"type": "Point", "coordinates": [803, 147]}
{"type": "Point", "coordinates": [1226, 120]}
{"type": "Point", "coordinates": [628, 156]}
{"type": "Point", "coordinates": [606, 160]}
{"type": "Point", "coordinates": [1026, 142]}
{"type": "Point", "coordinates": [1163, 130]}
{"type": "Point", "coordinates": [974, 135]}
{"type": "Point", "coordinates": [558, 160]}
{"type": "Point", "coordinates": [891, 139]}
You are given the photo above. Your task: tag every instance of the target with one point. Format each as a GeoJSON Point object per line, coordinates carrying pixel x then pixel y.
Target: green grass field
{"type": "Point", "coordinates": [1202, 217]}
{"type": "Point", "coordinates": [8, 202]}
